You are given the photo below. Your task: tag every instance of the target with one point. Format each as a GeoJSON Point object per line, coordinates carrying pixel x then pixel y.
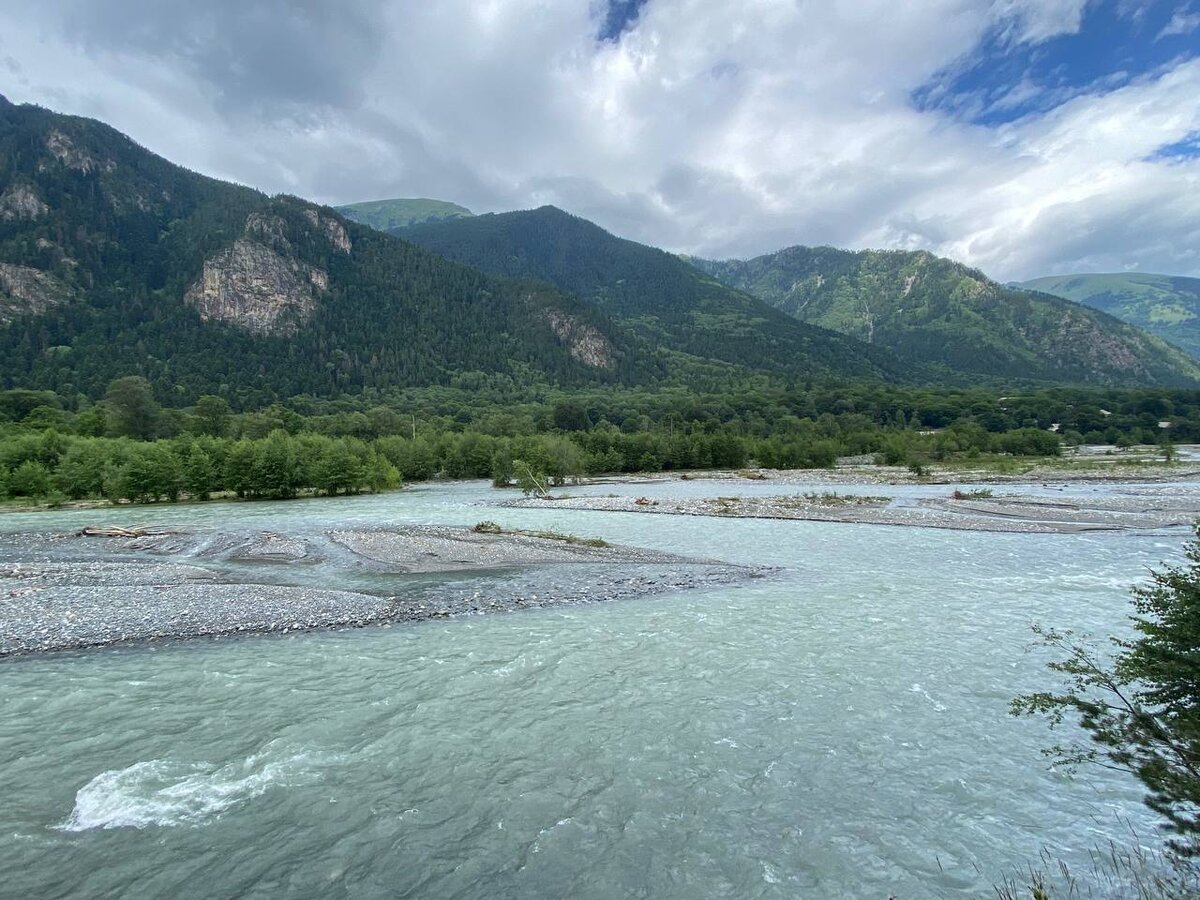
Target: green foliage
{"type": "Point", "coordinates": [16, 405]}
{"type": "Point", "coordinates": [1141, 710]}
{"type": "Point", "coordinates": [571, 415]}
{"type": "Point", "coordinates": [531, 480]}
{"type": "Point", "coordinates": [1027, 442]}
{"type": "Point", "coordinates": [478, 431]}
{"type": "Point", "coordinates": [29, 479]}
{"type": "Point", "coordinates": [388, 215]}
{"type": "Point", "coordinates": [199, 473]}
{"type": "Point", "coordinates": [276, 471]}
{"type": "Point", "coordinates": [932, 310]}
{"type": "Point", "coordinates": [212, 415]}
{"type": "Point", "coordinates": [127, 235]}
{"type": "Point", "coordinates": [658, 298]}
{"type": "Point", "coordinates": [1165, 305]}
{"type": "Point", "coordinates": [81, 470]}
{"type": "Point", "coordinates": [132, 411]}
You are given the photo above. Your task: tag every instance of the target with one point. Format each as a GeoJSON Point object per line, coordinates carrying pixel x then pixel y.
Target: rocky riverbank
{"type": "Point", "coordinates": [1142, 509]}
{"type": "Point", "coordinates": [66, 591]}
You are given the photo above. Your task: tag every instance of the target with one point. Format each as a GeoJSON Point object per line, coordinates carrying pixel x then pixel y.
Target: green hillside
{"type": "Point", "coordinates": [113, 261]}
{"type": "Point", "coordinates": [658, 297]}
{"type": "Point", "coordinates": [1164, 305]}
{"type": "Point", "coordinates": [939, 312]}
{"type": "Point", "coordinates": [389, 215]}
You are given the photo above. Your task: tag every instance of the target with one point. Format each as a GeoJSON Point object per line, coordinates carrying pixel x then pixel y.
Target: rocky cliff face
{"type": "Point", "coordinates": [20, 202]}
{"type": "Point", "coordinates": [25, 290]}
{"type": "Point", "coordinates": [333, 230]}
{"type": "Point", "coordinates": [259, 284]}
{"type": "Point", "coordinates": [583, 341]}
{"type": "Point", "coordinates": [254, 287]}
{"type": "Point", "coordinates": [63, 148]}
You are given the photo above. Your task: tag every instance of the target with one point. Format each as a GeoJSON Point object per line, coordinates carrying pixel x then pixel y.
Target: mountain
{"type": "Point", "coordinates": [389, 215]}
{"type": "Point", "coordinates": [114, 261]}
{"type": "Point", "coordinates": [656, 296]}
{"type": "Point", "coordinates": [1164, 305]}
{"type": "Point", "coordinates": [929, 309]}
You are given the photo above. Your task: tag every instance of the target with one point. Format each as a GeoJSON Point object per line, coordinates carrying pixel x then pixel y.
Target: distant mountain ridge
{"type": "Point", "coordinates": [654, 295]}
{"type": "Point", "coordinates": [936, 311]}
{"type": "Point", "coordinates": [1164, 305]}
{"type": "Point", "coordinates": [114, 261]}
{"type": "Point", "coordinates": [392, 215]}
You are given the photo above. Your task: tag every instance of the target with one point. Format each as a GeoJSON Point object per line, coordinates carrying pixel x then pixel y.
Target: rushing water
{"type": "Point", "coordinates": [840, 730]}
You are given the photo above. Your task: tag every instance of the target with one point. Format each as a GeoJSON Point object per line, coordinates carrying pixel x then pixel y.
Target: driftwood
{"type": "Point", "coordinates": [134, 531]}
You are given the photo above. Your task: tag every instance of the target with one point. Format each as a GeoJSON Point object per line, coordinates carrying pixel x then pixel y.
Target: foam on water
{"type": "Point", "coordinates": [917, 689]}
{"type": "Point", "coordinates": [166, 793]}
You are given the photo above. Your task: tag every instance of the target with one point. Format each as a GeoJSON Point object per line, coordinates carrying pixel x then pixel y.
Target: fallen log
{"type": "Point", "coordinates": [118, 531]}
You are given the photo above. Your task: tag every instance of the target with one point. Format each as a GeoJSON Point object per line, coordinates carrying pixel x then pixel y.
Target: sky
{"type": "Point", "coordinates": [1024, 137]}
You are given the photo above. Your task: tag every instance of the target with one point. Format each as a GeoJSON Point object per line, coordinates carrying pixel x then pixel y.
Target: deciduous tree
{"type": "Point", "coordinates": [1142, 709]}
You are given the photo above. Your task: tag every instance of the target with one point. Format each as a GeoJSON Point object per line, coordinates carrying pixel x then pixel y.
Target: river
{"type": "Point", "coordinates": [837, 730]}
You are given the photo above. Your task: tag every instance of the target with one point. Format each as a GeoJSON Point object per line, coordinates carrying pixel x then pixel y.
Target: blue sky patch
{"type": "Point", "coordinates": [1003, 80]}
{"type": "Point", "coordinates": [1188, 148]}
{"type": "Point", "coordinates": [618, 17]}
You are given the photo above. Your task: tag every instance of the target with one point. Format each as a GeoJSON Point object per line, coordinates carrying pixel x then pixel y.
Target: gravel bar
{"type": "Point", "coordinates": [60, 592]}
{"type": "Point", "coordinates": [1011, 513]}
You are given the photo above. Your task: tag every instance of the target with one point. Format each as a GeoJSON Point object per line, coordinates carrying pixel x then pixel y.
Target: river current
{"type": "Point", "coordinates": [840, 729]}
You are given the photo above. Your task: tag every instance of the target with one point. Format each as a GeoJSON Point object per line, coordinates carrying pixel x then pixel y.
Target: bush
{"type": "Point", "coordinates": [1142, 710]}
{"type": "Point", "coordinates": [29, 479]}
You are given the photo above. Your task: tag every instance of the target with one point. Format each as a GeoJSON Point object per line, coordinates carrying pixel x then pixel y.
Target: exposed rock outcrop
{"type": "Point", "coordinates": [583, 341]}
{"type": "Point", "coordinates": [20, 202]}
{"type": "Point", "coordinates": [63, 149]}
{"type": "Point", "coordinates": [27, 290]}
{"type": "Point", "coordinates": [268, 230]}
{"type": "Point", "coordinates": [334, 231]}
{"type": "Point", "coordinates": [258, 283]}
{"type": "Point", "coordinates": [254, 287]}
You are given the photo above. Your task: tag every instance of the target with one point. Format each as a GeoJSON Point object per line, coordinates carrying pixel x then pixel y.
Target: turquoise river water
{"type": "Point", "coordinates": [838, 730]}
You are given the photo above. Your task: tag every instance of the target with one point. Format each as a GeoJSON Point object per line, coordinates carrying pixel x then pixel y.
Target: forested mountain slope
{"type": "Point", "coordinates": [927, 308]}
{"type": "Point", "coordinates": [655, 295]}
{"type": "Point", "coordinates": [1165, 305]}
{"type": "Point", "coordinates": [114, 261]}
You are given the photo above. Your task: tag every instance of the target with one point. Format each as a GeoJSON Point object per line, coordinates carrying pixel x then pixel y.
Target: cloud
{"type": "Point", "coordinates": [705, 127]}
{"type": "Point", "coordinates": [1034, 21]}
{"type": "Point", "coordinates": [246, 53]}
{"type": "Point", "coordinates": [1183, 22]}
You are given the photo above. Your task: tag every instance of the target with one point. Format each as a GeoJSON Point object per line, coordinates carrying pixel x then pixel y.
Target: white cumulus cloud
{"type": "Point", "coordinates": [709, 127]}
